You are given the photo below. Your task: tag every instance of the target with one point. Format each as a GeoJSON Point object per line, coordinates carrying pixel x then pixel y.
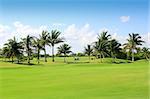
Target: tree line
{"type": "Point", "coordinates": [104, 46]}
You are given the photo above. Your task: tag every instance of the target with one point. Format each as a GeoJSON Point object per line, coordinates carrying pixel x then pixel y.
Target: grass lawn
{"type": "Point", "coordinates": [79, 80]}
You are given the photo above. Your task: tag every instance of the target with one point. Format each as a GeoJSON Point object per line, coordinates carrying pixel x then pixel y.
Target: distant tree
{"type": "Point", "coordinates": [54, 39]}
{"type": "Point", "coordinates": [133, 41]}
{"type": "Point", "coordinates": [37, 44]}
{"type": "Point", "coordinates": [101, 45]}
{"type": "Point", "coordinates": [14, 49]}
{"type": "Point", "coordinates": [64, 49]}
{"type": "Point", "coordinates": [114, 48]}
{"type": "Point", "coordinates": [146, 53]}
{"type": "Point", "coordinates": [27, 43]}
{"type": "Point", "coordinates": [6, 52]}
{"type": "Point", "coordinates": [44, 41]}
{"type": "Point", "coordinates": [88, 51]}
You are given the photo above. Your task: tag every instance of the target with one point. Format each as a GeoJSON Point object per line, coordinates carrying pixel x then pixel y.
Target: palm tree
{"type": "Point", "coordinates": [15, 48]}
{"type": "Point", "coordinates": [127, 49]}
{"type": "Point", "coordinates": [27, 43]}
{"type": "Point", "coordinates": [54, 39]}
{"type": "Point", "coordinates": [6, 52]}
{"type": "Point", "coordinates": [133, 41]}
{"type": "Point", "coordinates": [101, 46]}
{"type": "Point", "coordinates": [114, 48]}
{"type": "Point", "coordinates": [101, 49]}
{"type": "Point", "coordinates": [88, 51]}
{"type": "Point", "coordinates": [44, 40]}
{"type": "Point", "coordinates": [64, 49]}
{"type": "Point", "coordinates": [104, 36]}
{"type": "Point", "coordinates": [146, 52]}
{"type": "Point", "coordinates": [37, 44]}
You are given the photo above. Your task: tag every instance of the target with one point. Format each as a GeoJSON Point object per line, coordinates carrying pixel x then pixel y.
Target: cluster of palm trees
{"type": "Point", "coordinates": [29, 45]}
{"type": "Point", "coordinates": [103, 47]}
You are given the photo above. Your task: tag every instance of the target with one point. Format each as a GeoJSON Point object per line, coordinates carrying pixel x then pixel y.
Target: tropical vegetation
{"type": "Point", "coordinates": [104, 46]}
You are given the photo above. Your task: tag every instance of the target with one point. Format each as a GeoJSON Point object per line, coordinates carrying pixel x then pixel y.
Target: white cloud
{"type": "Point", "coordinates": [125, 19]}
{"type": "Point", "coordinates": [146, 38]}
{"type": "Point", "coordinates": [104, 29]}
{"type": "Point", "coordinates": [76, 36]}
{"type": "Point", "coordinates": [79, 37]}
{"type": "Point", "coordinates": [113, 32]}
{"type": "Point", "coordinates": [5, 34]}
{"type": "Point", "coordinates": [23, 30]}
{"type": "Point", "coordinates": [4, 28]}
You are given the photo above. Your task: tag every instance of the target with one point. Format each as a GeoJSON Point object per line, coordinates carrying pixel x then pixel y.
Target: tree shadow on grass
{"type": "Point", "coordinates": [22, 63]}
{"type": "Point", "coordinates": [31, 64]}
{"type": "Point", "coordinates": [77, 62]}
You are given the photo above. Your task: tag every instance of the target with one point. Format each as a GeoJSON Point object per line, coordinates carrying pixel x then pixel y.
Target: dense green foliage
{"type": "Point", "coordinates": [104, 46]}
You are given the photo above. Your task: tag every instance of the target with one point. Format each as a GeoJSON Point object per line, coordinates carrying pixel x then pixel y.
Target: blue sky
{"type": "Point", "coordinates": [96, 14]}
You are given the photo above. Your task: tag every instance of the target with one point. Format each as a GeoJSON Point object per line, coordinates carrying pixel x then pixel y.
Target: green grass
{"type": "Point", "coordinates": [77, 80]}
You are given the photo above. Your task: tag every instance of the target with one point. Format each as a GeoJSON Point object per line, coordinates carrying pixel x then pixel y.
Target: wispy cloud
{"type": "Point", "coordinates": [78, 37]}
{"type": "Point", "coordinates": [125, 19]}
{"type": "Point", "coordinates": [23, 30]}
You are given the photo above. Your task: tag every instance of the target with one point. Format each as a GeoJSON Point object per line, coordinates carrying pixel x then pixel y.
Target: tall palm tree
{"type": "Point", "coordinates": [114, 48]}
{"type": "Point", "coordinates": [127, 49]}
{"type": "Point", "coordinates": [15, 48]}
{"type": "Point", "coordinates": [64, 49]}
{"type": "Point", "coordinates": [27, 43]}
{"type": "Point", "coordinates": [88, 51]}
{"type": "Point", "coordinates": [146, 52]}
{"type": "Point", "coordinates": [37, 44]}
{"type": "Point", "coordinates": [44, 40]}
{"type": "Point", "coordinates": [102, 44]}
{"type": "Point", "coordinates": [54, 39]}
{"type": "Point", "coordinates": [101, 49]}
{"type": "Point", "coordinates": [133, 41]}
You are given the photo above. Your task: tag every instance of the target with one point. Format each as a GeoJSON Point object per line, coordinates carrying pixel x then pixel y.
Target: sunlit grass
{"type": "Point", "coordinates": [75, 80]}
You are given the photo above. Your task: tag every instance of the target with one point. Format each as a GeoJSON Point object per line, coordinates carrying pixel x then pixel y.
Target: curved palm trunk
{"type": "Point", "coordinates": [103, 56]}
{"type": "Point", "coordinates": [45, 54]}
{"type": "Point", "coordinates": [53, 54]}
{"type": "Point", "coordinates": [147, 58]}
{"type": "Point", "coordinates": [113, 57]}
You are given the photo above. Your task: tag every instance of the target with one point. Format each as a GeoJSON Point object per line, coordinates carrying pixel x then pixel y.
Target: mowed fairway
{"type": "Point", "coordinates": [74, 81]}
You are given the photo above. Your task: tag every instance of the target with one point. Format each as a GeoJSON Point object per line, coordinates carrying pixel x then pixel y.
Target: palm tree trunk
{"type": "Point", "coordinates": [89, 58]}
{"type": "Point", "coordinates": [53, 54]}
{"type": "Point", "coordinates": [12, 59]}
{"type": "Point", "coordinates": [5, 59]}
{"type": "Point", "coordinates": [132, 56]}
{"type": "Point", "coordinates": [18, 60]}
{"type": "Point", "coordinates": [147, 58]}
{"type": "Point", "coordinates": [28, 57]}
{"type": "Point", "coordinates": [64, 59]}
{"type": "Point", "coordinates": [38, 56]}
{"type": "Point", "coordinates": [101, 58]}
{"type": "Point", "coordinates": [127, 55]}
{"type": "Point", "coordinates": [45, 54]}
